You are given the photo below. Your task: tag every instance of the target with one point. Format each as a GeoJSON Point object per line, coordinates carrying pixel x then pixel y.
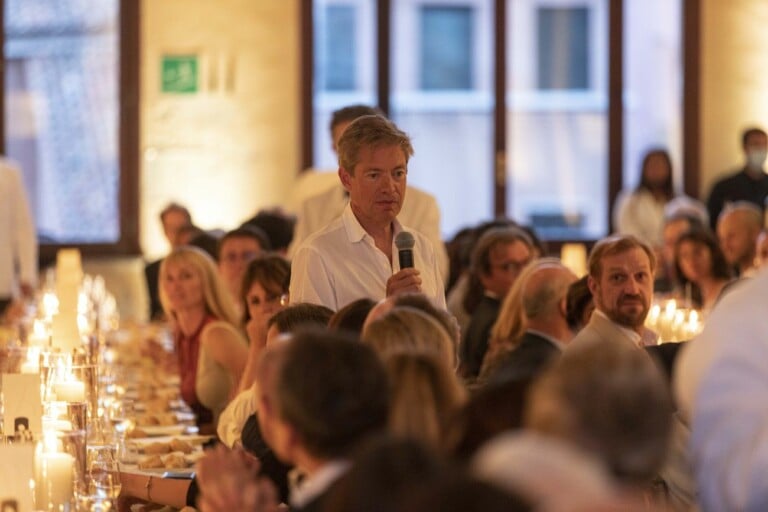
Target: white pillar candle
{"type": "Point", "coordinates": [30, 367]}
{"type": "Point", "coordinates": [54, 480]}
{"type": "Point", "coordinates": [50, 424]}
{"type": "Point", "coordinates": [70, 391]}
{"type": "Point", "coordinates": [39, 335]}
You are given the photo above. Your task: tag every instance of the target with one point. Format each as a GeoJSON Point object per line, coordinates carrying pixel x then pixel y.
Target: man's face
{"type": "Point", "coordinates": [624, 289]}
{"type": "Point", "coordinates": [756, 142]}
{"type": "Point", "coordinates": [234, 257]}
{"type": "Point", "coordinates": [507, 260]}
{"type": "Point", "coordinates": [173, 221]}
{"type": "Point", "coordinates": [377, 186]}
{"type": "Point", "coordinates": [736, 239]}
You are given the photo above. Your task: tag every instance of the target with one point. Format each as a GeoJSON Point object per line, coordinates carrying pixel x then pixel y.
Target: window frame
{"type": "Point", "coordinates": [129, 12]}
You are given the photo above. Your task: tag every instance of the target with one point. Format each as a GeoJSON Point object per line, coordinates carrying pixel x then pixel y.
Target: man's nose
{"type": "Point", "coordinates": [389, 182]}
{"type": "Point", "coordinates": [632, 286]}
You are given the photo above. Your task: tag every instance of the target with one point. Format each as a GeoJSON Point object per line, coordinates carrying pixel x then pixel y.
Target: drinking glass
{"type": "Point", "coordinates": [103, 474]}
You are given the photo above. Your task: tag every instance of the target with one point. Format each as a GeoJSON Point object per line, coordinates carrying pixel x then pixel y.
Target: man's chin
{"type": "Point", "coordinates": [629, 319]}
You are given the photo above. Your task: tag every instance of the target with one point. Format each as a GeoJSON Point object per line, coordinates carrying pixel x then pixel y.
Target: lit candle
{"type": "Point", "coordinates": [50, 305]}
{"type": "Point", "coordinates": [30, 367]}
{"type": "Point", "coordinates": [54, 480]}
{"type": "Point", "coordinates": [39, 336]}
{"type": "Point", "coordinates": [32, 363]}
{"type": "Point", "coordinates": [653, 317]}
{"type": "Point", "coordinates": [670, 308]}
{"type": "Point", "coordinates": [70, 391]}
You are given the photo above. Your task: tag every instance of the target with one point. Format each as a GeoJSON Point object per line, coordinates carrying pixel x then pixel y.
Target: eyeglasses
{"type": "Point", "coordinates": [281, 299]}
{"type": "Point", "coordinates": [233, 257]}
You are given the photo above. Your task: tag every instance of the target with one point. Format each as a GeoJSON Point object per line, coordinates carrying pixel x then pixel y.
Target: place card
{"type": "Point", "coordinates": [15, 491]}
{"type": "Point", "coordinates": [23, 408]}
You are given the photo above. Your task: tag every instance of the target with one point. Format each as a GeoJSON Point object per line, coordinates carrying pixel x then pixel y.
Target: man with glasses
{"type": "Point", "coordinates": [236, 249]}
{"type": "Point", "coordinates": [497, 259]}
{"type": "Point", "coordinates": [355, 256]}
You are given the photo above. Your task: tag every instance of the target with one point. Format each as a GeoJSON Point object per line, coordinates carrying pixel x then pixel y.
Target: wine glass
{"type": "Point", "coordinates": [104, 475]}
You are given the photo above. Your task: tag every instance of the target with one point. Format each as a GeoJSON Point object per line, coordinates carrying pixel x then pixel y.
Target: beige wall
{"type": "Point", "coordinates": [233, 147]}
{"type": "Point", "coordinates": [734, 92]}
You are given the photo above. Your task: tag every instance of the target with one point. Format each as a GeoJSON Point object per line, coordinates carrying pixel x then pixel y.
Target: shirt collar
{"type": "Point", "coordinates": [641, 340]}
{"type": "Point", "coordinates": [309, 488]}
{"type": "Point", "coordinates": [356, 232]}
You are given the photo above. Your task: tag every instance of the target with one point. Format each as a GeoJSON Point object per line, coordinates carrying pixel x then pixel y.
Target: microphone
{"type": "Point", "coordinates": [405, 242]}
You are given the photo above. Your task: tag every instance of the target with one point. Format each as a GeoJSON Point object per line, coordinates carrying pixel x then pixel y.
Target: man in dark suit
{"type": "Point", "coordinates": [331, 392]}
{"type": "Point", "coordinates": [547, 332]}
{"type": "Point", "coordinates": [497, 259]}
{"type": "Point", "coordinates": [750, 183]}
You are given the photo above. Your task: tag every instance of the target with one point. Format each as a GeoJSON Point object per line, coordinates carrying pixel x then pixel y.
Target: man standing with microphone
{"type": "Point", "coordinates": [356, 255]}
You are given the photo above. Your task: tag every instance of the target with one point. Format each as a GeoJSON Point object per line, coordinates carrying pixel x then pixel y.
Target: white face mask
{"type": "Point", "coordinates": [756, 158]}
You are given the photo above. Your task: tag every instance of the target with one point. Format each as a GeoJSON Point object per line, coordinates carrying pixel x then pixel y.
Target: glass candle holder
{"type": "Point", "coordinates": [60, 470]}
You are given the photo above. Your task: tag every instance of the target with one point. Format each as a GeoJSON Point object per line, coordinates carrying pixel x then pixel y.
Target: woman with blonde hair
{"type": "Point", "coordinates": [408, 330]}
{"type": "Point", "coordinates": [510, 325]}
{"type": "Point", "coordinates": [425, 395]}
{"type": "Point", "coordinates": [420, 360]}
{"type": "Point", "coordinates": [210, 349]}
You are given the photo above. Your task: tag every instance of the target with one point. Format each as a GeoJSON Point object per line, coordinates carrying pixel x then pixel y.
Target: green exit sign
{"type": "Point", "coordinates": [179, 74]}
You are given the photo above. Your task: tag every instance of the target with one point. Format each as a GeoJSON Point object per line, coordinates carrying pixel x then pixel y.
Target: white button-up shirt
{"type": "Point", "coordinates": [341, 264]}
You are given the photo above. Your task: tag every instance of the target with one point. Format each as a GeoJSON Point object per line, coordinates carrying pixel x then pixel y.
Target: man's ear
{"type": "Point", "coordinates": [592, 285]}
{"type": "Point", "coordinates": [345, 178]}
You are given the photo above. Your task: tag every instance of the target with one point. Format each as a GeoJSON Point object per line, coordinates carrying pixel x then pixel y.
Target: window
{"type": "Point", "coordinates": [61, 124]}
{"type": "Point", "coordinates": [345, 72]}
{"type": "Point", "coordinates": [557, 118]}
{"type": "Point", "coordinates": [442, 96]}
{"type": "Point", "coordinates": [652, 115]}
{"type": "Point", "coordinates": [446, 48]}
{"type": "Point", "coordinates": [337, 48]}
{"type": "Point", "coordinates": [63, 117]}
{"type": "Point", "coordinates": [563, 47]}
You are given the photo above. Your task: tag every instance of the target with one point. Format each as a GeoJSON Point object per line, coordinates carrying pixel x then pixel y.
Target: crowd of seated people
{"type": "Point", "coordinates": [517, 385]}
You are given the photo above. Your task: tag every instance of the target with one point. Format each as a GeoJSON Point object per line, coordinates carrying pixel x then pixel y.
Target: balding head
{"type": "Point", "coordinates": [737, 230]}
{"type": "Point", "coordinates": [543, 299]}
{"type": "Point", "coordinates": [545, 290]}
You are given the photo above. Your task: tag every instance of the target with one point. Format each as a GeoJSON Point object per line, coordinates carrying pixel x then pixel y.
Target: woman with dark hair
{"type": "Point", "coordinates": [641, 211]}
{"type": "Point", "coordinates": [264, 294]}
{"type": "Point", "coordinates": [700, 263]}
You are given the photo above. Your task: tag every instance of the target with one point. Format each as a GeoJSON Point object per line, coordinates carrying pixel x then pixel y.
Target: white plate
{"type": "Point", "coordinates": [173, 405]}
{"type": "Point", "coordinates": [166, 430]}
{"type": "Point", "coordinates": [194, 440]}
{"type": "Point", "coordinates": [191, 459]}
